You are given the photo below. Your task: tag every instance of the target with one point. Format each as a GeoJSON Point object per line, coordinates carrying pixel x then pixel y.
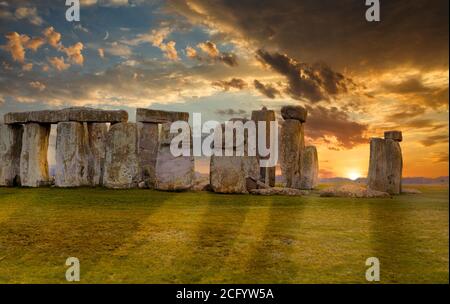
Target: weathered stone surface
{"type": "Point", "coordinates": [240, 142]}
{"type": "Point", "coordinates": [97, 133]}
{"type": "Point", "coordinates": [80, 114]}
{"type": "Point", "coordinates": [228, 174]}
{"type": "Point", "coordinates": [279, 191]}
{"type": "Point", "coordinates": [394, 166]}
{"type": "Point", "coordinates": [121, 162]}
{"type": "Point", "coordinates": [159, 116]}
{"type": "Point", "coordinates": [72, 155]}
{"type": "Point", "coordinates": [148, 151]}
{"type": "Point", "coordinates": [10, 148]}
{"type": "Point", "coordinates": [291, 146]}
{"type": "Point", "coordinates": [385, 166]}
{"type": "Point", "coordinates": [394, 135]}
{"type": "Point", "coordinates": [33, 158]}
{"type": "Point", "coordinates": [294, 112]}
{"type": "Point", "coordinates": [352, 190]}
{"type": "Point", "coordinates": [309, 168]}
{"type": "Point", "coordinates": [267, 174]}
{"type": "Point", "coordinates": [173, 173]}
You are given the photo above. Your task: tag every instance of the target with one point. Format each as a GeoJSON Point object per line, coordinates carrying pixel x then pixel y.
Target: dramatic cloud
{"type": "Point", "coordinates": [305, 82]}
{"type": "Point", "coordinates": [267, 90]}
{"type": "Point", "coordinates": [37, 85]}
{"type": "Point", "coordinates": [53, 37]}
{"type": "Point", "coordinates": [74, 53]}
{"type": "Point", "coordinates": [234, 83]}
{"type": "Point", "coordinates": [58, 63]}
{"type": "Point", "coordinates": [335, 32]}
{"type": "Point", "coordinates": [15, 46]}
{"type": "Point", "coordinates": [212, 53]}
{"type": "Point", "coordinates": [29, 13]}
{"type": "Point", "coordinates": [101, 53]}
{"type": "Point", "coordinates": [434, 140]}
{"type": "Point", "coordinates": [35, 43]}
{"type": "Point", "coordinates": [325, 123]}
{"type": "Point", "coordinates": [405, 112]}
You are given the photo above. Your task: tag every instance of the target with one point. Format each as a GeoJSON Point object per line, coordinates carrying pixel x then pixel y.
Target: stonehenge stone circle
{"type": "Point", "coordinates": [294, 112]}
{"type": "Point", "coordinates": [10, 148]}
{"type": "Point", "coordinates": [72, 155]}
{"type": "Point", "coordinates": [121, 161]}
{"type": "Point", "coordinates": [309, 168]}
{"type": "Point", "coordinates": [385, 165]}
{"type": "Point", "coordinates": [33, 157]}
{"type": "Point", "coordinates": [174, 173]}
{"type": "Point", "coordinates": [267, 174]}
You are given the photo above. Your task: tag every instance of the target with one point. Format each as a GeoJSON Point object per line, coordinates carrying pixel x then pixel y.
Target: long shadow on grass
{"type": "Point", "coordinates": [215, 238]}
{"type": "Point", "coordinates": [393, 242]}
{"type": "Point", "coordinates": [59, 223]}
{"type": "Point", "coordinates": [271, 260]}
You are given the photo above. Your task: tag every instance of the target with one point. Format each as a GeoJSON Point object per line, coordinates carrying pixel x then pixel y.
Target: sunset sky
{"type": "Point", "coordinates": [226, 58]}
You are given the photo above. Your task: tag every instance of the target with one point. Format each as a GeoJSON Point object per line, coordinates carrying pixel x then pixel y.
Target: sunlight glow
{"type": "Point", "coordinates": [353, 175]}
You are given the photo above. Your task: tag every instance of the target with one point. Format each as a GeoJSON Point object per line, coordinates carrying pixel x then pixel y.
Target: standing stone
{"type": "Point", "coordinates": [173, 173]}
{"type": "Point", "coordinates": [292, 144]}
{"type": "Point", "coordinates": [97, 133]}
{"type": "Point", "coordinates": [394, 135]}
{"type": "Point", "coordinates": [10, 148]}
{"type": "Point", "coordinates": [267, 174]}
{"type": "Point", "coordinates": [309, 168]}
{"type": "Point", "coordinates": [294, 112]}
{"type": "Point", "coordinates": [148, 151]}
{"type": "Point", "coordinates": [228, 174]}
{"type": "Point", "coordinates": [385, 166]}
{"type": "Point", "coordinates": [33, 158]}
{"type": "Point", "coordinates": [121, 162]}
{"type": "Point", "coordinates": [72, 155]}
{"type": "Point", "coordinates": [394, 166]}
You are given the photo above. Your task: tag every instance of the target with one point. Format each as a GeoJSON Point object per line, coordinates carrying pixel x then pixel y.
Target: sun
{"type": "Point", "coordinates": [353, 175]}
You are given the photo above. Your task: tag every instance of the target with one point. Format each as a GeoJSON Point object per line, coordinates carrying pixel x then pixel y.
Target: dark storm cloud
{"type": "Point", "coordinates": [234, 83]}
{"type": "Point", "coordinates": [332, 122]}
{"type": "Point", "coordinates": [405, 112]}
{"type": "Point", "coordinates": [305, 82]}
{"type": "Point", "coordinates": [266, 89]}
{"type": "Point", "coordinates": [435, 139]}
{"type": "Point", "coordinates": [410, 32]}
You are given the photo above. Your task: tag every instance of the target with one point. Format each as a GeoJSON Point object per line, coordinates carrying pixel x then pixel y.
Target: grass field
{"type": "Point", "coordinates": [144, 236]}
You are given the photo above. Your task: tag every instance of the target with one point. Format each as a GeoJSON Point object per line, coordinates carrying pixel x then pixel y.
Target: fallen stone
{"type": "Point", "coordinates": [352, 190]}
{"type": "Point", "coordinates": [294, 112]}
{"type": "Point", "coordinates": [279, 191]}
{"type": "Point", "coordinates": [159, 116]}
{"type": "Point", "coordinates": [291, 146]}
{"type": "Point", "coordinates": [121, 162]}
{"type": "Point", "coordinates": [97, 133]}
{"type": "Point", "coordinates": [33, 158]}
{"type": "Point", "coordinates": [251, 183]}
{"type": "Point", "coordinates": [142, 185]}
{"type": "Point", "coordinates": [394, 135]}
{"type": "Point", "coordinates": [72, 155]}
{"type": "Point", "coordinates": [10, 148]}
{"type": "Point", "coordinates": [262, 185]}
{"type": "Point", "coordinates": [309, 168]}
{"type": "Point", "coordinates": [148, 151]}
{"type": "Point", "coordinates": [411, 191]}
{"type": "Point", "coordinates": [228, 174]}
{"type": "Point", "coordinates": [80, 114]}
{"type": "Point", "coordinates": [173, 173]}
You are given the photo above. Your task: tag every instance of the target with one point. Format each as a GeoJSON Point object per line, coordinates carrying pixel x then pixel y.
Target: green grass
{"type": "Point", "coordinates": [144, 236]}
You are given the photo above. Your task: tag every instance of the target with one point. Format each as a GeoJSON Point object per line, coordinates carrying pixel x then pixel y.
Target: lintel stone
{"type": "Point", "coordinates": [159, 116]}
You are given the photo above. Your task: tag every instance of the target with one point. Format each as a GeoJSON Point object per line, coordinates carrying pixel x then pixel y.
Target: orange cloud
{"type": "Point", "coordinates": [74, 53]}
{"type": "Point", "coordinates": [58, 63]}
